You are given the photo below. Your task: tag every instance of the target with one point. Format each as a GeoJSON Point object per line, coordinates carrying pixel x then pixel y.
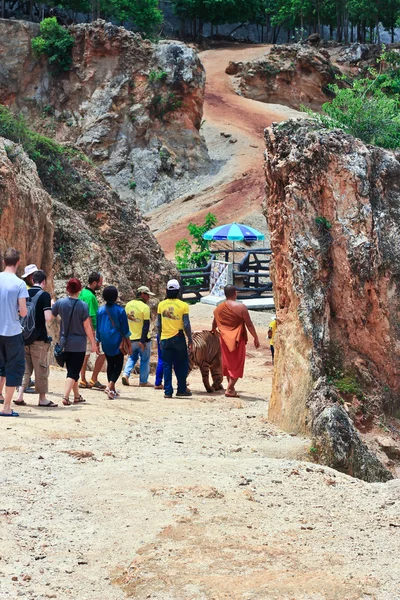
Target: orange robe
{"type": "Point", "coordinates": [233, 340]}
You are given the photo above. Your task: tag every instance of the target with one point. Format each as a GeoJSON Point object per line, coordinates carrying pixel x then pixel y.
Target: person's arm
{"type": "Point", "coordinates": [188, 330]}
{"type": "Point", "coordinates": [47, 307]}
{"type": "Point", "coordinates": [250, 326]}
{"type": "Point", "coordinates": [88, 325]}
{"type": "Point", "coordinates": [124, 325]}
{"type": "Point", "coordinates": [214, 326]}
{"type": "Point", "coordinates": [22, 309]}
{"type": "Point", "coordinates": [146, 326]}
{"type": "Point", "coordinates": [159, 326]}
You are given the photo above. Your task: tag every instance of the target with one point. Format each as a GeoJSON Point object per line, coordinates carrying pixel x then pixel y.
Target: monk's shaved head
{"type": "Point", "coordinates": [230, 291]}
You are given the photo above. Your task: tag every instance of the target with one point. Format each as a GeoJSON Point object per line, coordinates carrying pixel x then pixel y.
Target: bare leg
{"type": "Point", "coordinates": [69, 384]}
{"type": "Point", "coordinates": [2, 383]}
{"type": "Point", "coordinates": [7, 400]}
{"type": "Point", "coordinates": [20, 397]}
{"type": "Point", "coordinates": [98, 365]}
{"type": "Point", "coordinates": [84, 367]}
{"type": "Point", "coordinates": [231, 387]}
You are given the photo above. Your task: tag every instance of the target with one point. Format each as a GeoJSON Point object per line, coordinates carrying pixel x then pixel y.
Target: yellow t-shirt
{"type": "Point", "coordinates": [137, 311]}
{"type": "Point", "coordinates": [272, 327]}
{"type": "Point", "coordinates": [172, 312]}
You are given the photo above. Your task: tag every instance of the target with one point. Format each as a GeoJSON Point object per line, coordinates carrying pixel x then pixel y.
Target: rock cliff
{"type": "Point", "coordinates": [135, 108]}
{"type": "Point", "coordinates": [290, 75]}
{"type": "Point", "coordinates": [333, 210]}
{"type": "Point", "coordinates": [87, 227]}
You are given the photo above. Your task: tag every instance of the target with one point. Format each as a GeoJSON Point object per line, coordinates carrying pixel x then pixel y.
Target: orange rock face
{"type": "Point", "coordinates": [25, 208]}
{"type": "Point", "coordinates": [333, 209]}
{"type": "Point", "coordinates": [290, 75]}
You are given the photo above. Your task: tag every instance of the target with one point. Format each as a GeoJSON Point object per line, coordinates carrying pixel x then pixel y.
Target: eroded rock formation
{"type": "Point", "coordinates": [333, 210]}
{"type": "Point", "coordinates": [74, 234]}
{"type": "Point", "coordinates": [135, 108]}
{"type": "Point", "coordinates": [291, 75]}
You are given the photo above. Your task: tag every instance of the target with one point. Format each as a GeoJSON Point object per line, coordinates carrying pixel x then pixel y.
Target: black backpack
{"type": "Point", "coordinates": [28, 323]}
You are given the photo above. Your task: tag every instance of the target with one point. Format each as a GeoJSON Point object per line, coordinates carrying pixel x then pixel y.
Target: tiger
{"type": "Point", "coordinates": [206, 354]}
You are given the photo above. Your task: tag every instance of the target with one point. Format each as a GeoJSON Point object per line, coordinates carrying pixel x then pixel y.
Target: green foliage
{"type": "Point", "coordinates": [164, 103]}
{"type": "Point", "coordinates": [56, 43]}
{"type": "Point", "coordinates": [155, 76]}
{"type": "Point", "coordinates": [368, 108]}
{"type": "Point", "coordinates": [143, 13]}
{"type": "Point", "coordinates": [132, 185]}
{"type": "Point", "coordinates": [348, 384]}
{"type": "Point", "coordinates": [323, 223]}
{"type": "Point", "coordinates": [189, 255]}
{"type": "Point", "coordinates": [53, 161]}
{"type": "Point", "coordinates": [313, 450]}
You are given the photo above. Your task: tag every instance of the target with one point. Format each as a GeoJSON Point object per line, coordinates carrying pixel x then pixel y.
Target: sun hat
{"type": "Point", "coordinates": [29, 270]}
{"type": "Point", "coordinates": [145, 290]}
{"type": "Point", "coordinates": [173, 284]}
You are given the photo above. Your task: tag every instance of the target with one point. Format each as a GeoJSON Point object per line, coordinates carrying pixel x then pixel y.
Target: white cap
{"type": "Point", "coordinates": [29, 270]}
{"type": "Point", "coordinates": [173, 284]}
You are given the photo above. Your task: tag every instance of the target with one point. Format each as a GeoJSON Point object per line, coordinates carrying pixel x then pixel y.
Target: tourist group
{"type": "Point", "coordinates": [110, 331]}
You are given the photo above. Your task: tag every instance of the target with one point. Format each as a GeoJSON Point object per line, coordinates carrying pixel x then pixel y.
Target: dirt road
{"type": "Point", "coordinates": [235, 188]}
{"type": "Point", "coordinates": [198, 499]}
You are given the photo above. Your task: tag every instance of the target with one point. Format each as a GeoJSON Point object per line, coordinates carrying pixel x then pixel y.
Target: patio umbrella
{"type": "Point", "coordinates": [236, 232]}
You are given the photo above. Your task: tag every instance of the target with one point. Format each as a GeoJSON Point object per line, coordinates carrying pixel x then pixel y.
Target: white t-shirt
{"type": "Point", "coordinates": [11, 289]}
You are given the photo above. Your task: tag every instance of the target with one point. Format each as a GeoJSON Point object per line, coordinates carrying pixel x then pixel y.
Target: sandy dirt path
{"type": "Point", "coordinates": [236, 191]}
{"type": "Point", "coordinates": [185, 499]}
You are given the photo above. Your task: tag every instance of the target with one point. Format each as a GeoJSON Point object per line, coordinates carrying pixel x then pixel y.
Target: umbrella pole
{"type": "Point", "coordinates": [233, 257]}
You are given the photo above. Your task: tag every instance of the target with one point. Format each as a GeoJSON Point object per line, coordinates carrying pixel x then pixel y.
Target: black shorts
{"type": "Point", "coordinates": [272, 351]}
{"type": "Point", "coordinates": [74, 362]}
{"type": "Point", "coordinates": [12, 359]}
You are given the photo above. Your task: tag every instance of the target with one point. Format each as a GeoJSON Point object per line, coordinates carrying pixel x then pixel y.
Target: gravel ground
{"type": "Point", "coordinates": [185, 499]}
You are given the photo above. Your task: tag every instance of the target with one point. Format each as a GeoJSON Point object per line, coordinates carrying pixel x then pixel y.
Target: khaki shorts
{"type": "Point", "coordinates": [89, 347]}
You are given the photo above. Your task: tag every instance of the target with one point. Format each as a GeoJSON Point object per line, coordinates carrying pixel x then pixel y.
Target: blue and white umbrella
{"type": "Point", "coordinates": [236, 232]}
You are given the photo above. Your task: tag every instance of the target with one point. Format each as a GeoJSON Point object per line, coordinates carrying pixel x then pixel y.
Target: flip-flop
{"type": "Point", "coordinates": [50, 404]}
{"type": "Point", "coordinates": [20, 402]}
{"type": "Point", "coordinates": [232, 395]}
{"type": "Point", "coordinates": [83, 385]}
{"type": "Point", "coordinates": [12, 414]}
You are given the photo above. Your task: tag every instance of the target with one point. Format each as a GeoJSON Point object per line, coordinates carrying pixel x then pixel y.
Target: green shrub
{"type": "Point", "coordinates": [196, 254]}
{"type": "Point", "coordinates": [132, 185]}
{"type": "Point", "coordinates": [54, 162]}
{"type": "Point", "coordinates": [56, 43]}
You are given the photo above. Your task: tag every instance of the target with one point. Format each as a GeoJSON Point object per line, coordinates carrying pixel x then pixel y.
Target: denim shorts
{"type": "Point", "coordinates": [12, 359]}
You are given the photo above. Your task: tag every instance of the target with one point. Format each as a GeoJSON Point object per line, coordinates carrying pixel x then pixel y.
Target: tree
{"type": "Point", "coordinates": [143, 13]}
{"type": "Point", "coordinates": [196, 253]}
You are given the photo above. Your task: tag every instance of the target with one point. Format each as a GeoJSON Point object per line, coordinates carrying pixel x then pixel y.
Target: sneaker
{"type": "Point", "coordinates": [125, 380]}
{"type": "Point", "coordinates": [185, 394]}
{"type": "Point", "coordinates": [147, 384]}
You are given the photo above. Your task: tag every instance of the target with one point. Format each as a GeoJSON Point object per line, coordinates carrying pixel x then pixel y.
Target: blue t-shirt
{"type": "Point", "coordinates": [11, 289]}
{"type": "Point", "coordinates": [109, 336]}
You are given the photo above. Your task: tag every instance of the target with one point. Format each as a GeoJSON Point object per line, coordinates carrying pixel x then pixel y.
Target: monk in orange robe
{"type": "Point", "coordinates": [233, 320]}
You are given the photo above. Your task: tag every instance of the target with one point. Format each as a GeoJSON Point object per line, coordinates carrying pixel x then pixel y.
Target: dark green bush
{"type": "Point", "coordinates": [56, 43]}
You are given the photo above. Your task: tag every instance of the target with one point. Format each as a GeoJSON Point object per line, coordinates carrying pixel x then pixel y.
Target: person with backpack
{"type": "Point", "coordinates": [36, 341]}
{"type": "Point", "coordinates": [113, 333]}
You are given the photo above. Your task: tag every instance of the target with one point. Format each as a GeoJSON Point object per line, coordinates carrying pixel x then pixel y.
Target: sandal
{"type": "Point", "coordinates": [111, 394]}
{"type": "Point", "coordinates": [66, 401]}
{"type": "Point", "coordinates": [20, 402]}
{"type": "Point", "coordinates": [79, 400]}
{"type": "Point", "coordinates": [1, 399]}
{"type": "Point", "coordinates": [95, 385]}
{"type": "Point", "coordinates": [49, 404]}
{"type": "Point", "coordinates": [83, 385]}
